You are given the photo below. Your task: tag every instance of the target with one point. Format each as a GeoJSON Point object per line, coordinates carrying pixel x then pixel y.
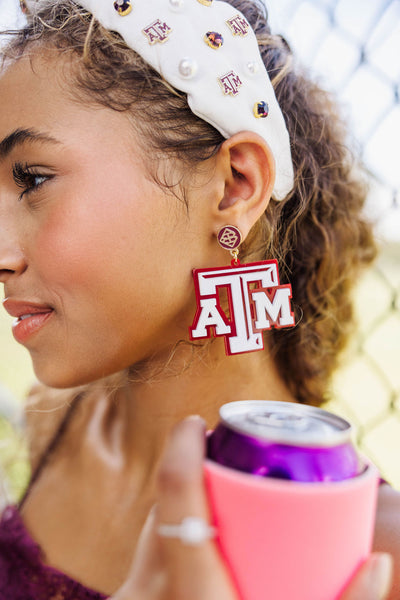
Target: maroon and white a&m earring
{"type": "Point", "coordinates": [256, 299]}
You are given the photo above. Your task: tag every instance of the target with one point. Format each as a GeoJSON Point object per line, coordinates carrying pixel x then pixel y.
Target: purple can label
{"type": "Point", "coordinates": [285, 441]}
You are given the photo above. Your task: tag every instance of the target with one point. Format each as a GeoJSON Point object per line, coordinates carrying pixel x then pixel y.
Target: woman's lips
{"type": "Point", "coordinates": [30, 317]}
{"type": "Point", "coordinates": [24, 328]}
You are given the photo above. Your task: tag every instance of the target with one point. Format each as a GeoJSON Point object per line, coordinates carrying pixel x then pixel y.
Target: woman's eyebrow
{"type": "Point", "coordinates": [20, 136]}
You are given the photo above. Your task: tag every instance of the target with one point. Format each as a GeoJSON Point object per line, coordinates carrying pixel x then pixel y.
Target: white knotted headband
{"type": "Point", "coordinates": [208, 50]}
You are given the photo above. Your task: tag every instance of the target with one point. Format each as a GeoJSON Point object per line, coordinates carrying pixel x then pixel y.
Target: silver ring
{"type": "Point", "coordinates": [192, 531]}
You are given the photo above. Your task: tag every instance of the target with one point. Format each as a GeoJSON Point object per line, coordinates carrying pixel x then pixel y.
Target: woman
{"type": "Point", "coordinates": [112, 191]}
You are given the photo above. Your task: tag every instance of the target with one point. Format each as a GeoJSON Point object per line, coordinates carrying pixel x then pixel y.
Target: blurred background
{"type": "Point", "coordinates": [352, 47]}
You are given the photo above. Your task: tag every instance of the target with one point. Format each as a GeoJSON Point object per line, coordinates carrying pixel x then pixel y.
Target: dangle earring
{"type": "Point", "coordinates": [256, 299]}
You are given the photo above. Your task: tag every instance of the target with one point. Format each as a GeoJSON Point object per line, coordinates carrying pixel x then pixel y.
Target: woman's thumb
{"type": "Point", "coordinates": [373, 580]}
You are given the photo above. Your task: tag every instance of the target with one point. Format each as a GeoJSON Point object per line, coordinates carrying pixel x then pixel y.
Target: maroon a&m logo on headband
{"type": "Point", "coordinates": [238, 25]}
{"type": "Point", "coordinates": [230, 83]}
{"type": "Point", "coordinates": [158, 31]}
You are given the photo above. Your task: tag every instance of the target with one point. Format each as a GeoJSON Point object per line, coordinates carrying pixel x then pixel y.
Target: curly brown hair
{"type": "Point", "coordinates": [318, 233]}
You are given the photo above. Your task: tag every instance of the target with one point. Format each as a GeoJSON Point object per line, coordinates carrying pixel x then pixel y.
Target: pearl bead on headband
{"type": "Point", "coordinates": [208, 50]}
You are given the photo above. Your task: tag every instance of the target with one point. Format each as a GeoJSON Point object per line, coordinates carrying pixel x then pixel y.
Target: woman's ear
{"type": "Point", "coordinates": [249, 168]}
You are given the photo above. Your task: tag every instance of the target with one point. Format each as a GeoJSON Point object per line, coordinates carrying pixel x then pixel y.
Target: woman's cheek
{"type": "Point", "coordinates": [71, 246]}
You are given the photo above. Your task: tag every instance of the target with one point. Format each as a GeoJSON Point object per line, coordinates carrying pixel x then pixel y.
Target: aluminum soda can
{"type": "Point", "coordinates": [284, 440]}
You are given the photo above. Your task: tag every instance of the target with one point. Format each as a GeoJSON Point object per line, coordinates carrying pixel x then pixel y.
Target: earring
{"type": "Point", "coordinates": [230, 238]}
{"type": "Point", "coordinates": [256, 300]}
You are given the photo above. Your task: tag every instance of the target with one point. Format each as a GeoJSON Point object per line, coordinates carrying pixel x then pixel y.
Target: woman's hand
{"type": "Point", "coordinates": [373, 580]}
{"type": "Point", "coordinates": [166, 569]}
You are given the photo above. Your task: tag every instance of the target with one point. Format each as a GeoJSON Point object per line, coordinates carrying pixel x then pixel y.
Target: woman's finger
{"type": "Point", "coordinates": [146, 580]}
{"type": "Point", "coordinates": [373, 580]}
{"type": "Point", "coordinates": [195, 571]}
{"type": "Point", "coordinates": [167, 567]}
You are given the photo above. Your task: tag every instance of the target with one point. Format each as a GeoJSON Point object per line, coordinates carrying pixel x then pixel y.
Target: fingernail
{"type": "Point", "coordinates": [196, 419]}
{"type": "Point", "coordinates": [185, 447]}
{"type": "Point", "coordinates": [153, 510]}
{"type": "Point", "coordinates": [197, 424]}
{"type": "Point", "coordinates": [381, 574]}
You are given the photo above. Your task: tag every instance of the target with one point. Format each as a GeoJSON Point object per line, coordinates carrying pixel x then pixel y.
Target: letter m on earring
{"type": "Point", "coordinates": [256, 302]}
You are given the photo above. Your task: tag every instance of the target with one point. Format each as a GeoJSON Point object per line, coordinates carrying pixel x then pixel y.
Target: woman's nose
{"type": "Point", "coordinates": [12, 260]}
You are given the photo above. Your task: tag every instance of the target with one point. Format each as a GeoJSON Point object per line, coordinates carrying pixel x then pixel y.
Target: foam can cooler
{"type": "Point", "coordinates": [293, 503]}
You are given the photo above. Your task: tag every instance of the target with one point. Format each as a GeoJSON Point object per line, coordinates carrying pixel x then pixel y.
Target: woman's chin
{"type": "Point", "coordinates": [65, 378]}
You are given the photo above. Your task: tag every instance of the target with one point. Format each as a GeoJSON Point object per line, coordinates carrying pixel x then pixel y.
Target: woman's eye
{"type": "Point", "coordinates": [28, 178]}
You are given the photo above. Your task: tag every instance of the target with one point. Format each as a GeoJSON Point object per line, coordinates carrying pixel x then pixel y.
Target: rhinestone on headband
{"type": "Point", "coordinates": [205, 2]}
{"type": "Point", "coordinates": [261, 110]}
{"type": "Point", "coordinates": [214, 39]}
{"type": "Point", "coordinates": [123, 7]}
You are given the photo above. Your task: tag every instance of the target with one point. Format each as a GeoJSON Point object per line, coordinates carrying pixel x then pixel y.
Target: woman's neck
{"type": "Point", "coordinates": [197, 384]}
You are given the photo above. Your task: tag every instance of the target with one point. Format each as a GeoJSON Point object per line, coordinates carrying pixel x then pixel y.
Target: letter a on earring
{"type": "Point", "coordinates": [256, 300]}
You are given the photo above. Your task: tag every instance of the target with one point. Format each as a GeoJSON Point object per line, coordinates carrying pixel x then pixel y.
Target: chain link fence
{"type": "Point", "coordinates": [353, 48]}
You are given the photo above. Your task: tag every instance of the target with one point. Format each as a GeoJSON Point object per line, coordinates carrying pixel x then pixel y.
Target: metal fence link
{"type": "Point", "coordinates": [353, 47]}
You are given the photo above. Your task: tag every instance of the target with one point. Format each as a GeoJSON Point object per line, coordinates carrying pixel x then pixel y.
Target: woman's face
{"type": "Point", "coordinates": [97, 253]}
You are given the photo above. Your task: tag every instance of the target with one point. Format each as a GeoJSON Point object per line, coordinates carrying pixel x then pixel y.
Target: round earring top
{"type": "Point", "coordinates": [229, 237]}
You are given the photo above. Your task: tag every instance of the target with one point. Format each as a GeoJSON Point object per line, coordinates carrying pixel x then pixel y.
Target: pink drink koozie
{"type": "Point", "coordinates": [290, 540]}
